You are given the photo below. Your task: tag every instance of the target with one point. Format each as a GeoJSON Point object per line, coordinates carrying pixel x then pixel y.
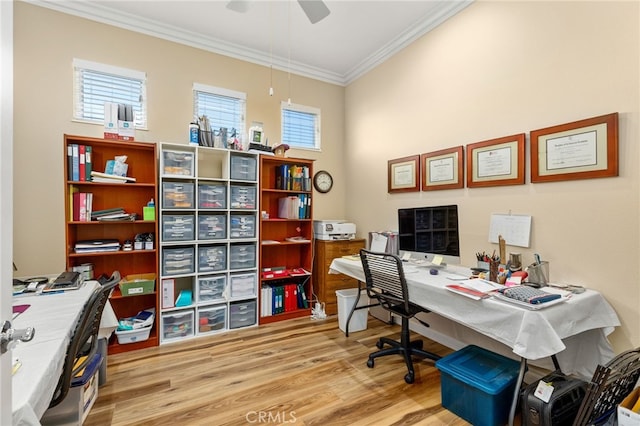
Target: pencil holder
{"type": "Point", "coordinates": [538, 273]}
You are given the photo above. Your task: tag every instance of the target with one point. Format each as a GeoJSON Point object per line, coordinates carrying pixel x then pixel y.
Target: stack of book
{"type": "Point", "coordinates": [113, 214]}
{"type": "Point", "coordinates": [96, 246]}
{"type": "Point", "coordinates": [81, 206]}
{"type": "Point", "coordinates": [109, 178]}
{"type": "Point", "coordinates": [79, 163]}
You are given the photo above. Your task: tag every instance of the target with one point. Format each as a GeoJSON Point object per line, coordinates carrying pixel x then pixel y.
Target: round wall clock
{"type": "Point", "coordinates": [322, 181]}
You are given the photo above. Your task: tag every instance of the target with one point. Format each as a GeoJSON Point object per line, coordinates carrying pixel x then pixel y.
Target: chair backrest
{"type": "Point", "coordinates": [385, 279]}
{"type": "Point", "coordinates": [84, 340]}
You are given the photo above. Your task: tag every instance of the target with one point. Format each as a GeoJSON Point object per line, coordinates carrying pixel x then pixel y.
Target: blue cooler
{"type": "Point", "coordinates": [478, 385]}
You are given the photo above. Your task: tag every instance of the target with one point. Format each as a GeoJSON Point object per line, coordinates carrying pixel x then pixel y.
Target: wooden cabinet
{"type": "Point", "coordinates": [326, 284]}
{"type": "Point", "coordinates": [208, 241]}
{"type": "Point", "coordinates": [286, 237]}
{"type": "Point", "coordinates": [132, 197]}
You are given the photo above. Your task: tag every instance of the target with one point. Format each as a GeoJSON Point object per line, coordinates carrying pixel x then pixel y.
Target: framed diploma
{"type": "Point", "coordinates": [403, 174]}
{"type": "Point", "coordinates": [496, 162]}
{"type": "Point", "coordinates": [442, 169]}
{"type": "Point", "coordinates": [583, 149]}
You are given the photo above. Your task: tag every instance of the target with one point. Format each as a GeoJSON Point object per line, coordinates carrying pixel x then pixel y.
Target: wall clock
{"type": "Point", "coordinates": [322, 181]}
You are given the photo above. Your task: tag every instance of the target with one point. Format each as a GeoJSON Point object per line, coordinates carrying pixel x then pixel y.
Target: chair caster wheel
{"type": "Point", "coordinates": [379, 344]}
{"type": "Point", "coordinates": [409, 378]}
{"type": "Point", "coordinates": [370, 363]}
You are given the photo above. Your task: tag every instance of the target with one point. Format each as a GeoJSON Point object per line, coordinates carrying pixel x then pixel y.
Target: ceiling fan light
{"type": "Point", "coordinates": [241, 6]}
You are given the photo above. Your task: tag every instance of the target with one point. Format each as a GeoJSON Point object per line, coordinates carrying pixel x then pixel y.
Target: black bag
{"type": "Point", "coordinates": [563, 406]}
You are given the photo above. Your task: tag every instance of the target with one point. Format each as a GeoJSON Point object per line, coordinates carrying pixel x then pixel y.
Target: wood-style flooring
{"type": "Point", "coordinates": [295, 372]}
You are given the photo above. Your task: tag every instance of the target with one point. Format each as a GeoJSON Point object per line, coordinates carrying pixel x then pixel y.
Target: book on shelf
{"type": "Point", "coordinates": [88, 163]}
{"type": "Point", "coordinates": [96, 246]}
{"type": "Point", "coordinates": [81, 169]}
{"type": "Point", "coordinates": [82, 203]}
{"type": "Point", "coordinates": [75, 163]}
{"type": "Point", "coordinates": [105, 212]}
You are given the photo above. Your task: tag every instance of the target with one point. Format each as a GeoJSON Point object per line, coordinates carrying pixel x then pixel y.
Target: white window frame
{"type": "Point", "coordinates": [303, 109]}
{"type": "Point", "coordinates": [219, 91]}
{"type": "Point", "coordinates": [141, 118]}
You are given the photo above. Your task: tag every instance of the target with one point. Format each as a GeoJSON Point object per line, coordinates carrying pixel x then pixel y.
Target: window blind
{"type": "Point", "coordinates": [95, 84]}
{"type": "Point", "coordinates": [300, 126]}
{"type": "Point", "coordinates": [223, 107]}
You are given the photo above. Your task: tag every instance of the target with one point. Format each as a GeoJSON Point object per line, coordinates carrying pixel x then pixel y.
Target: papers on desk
{"type": "Point", "coordinates": [475, 289]}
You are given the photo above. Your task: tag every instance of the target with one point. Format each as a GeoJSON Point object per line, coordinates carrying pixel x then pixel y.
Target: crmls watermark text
{"type": "Point", "coordinates": [266, 417]}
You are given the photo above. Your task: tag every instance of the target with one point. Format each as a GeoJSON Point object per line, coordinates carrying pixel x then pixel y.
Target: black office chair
{"type": "Point", "coordinates": [610, 384]}
{"type": "Point", "coordinates": [386, 283]}
{"type": "Point", "coordinates": [84, 340]}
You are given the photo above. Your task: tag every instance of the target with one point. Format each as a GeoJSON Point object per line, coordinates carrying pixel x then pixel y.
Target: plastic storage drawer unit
{"type": "Point", "coordinates": [177, 227]}
{"type": "Point", "coordinates": [178, 261]}
{"type": "Point", "coordinates": [177, 163]}
{"type": "Point", "coordinates": [243, 197]}
{"type": "Point", "coordinates": [478, 385]}
{"type": "Point", "coordinates": [242, 314]}
{"type": "Point", "coordinates": [212, 196]}
{"type": "Point", "coordinates": [243, 167]}
{"type": "Point", "coordinates": [212, 319]}
{"type": "Point", "coordinates": [177, 195]}
{"type": "Point", "coordinates": [242, 256]}
{"type": "Point", "coordinates": [176, 325]}
{"type": "Point", "coordinates": [212, 258]}
{"type": "Point", "coordinates": [211, 288]}
{"type": "Point", "coordinates": [243, 285]}
{"type": "Point", "coordinates": [212, 226]}
{"type": "Point", "coordinates": [243, 226]}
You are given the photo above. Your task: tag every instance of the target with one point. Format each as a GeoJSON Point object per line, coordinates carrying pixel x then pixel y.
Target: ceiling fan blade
{"type": "Point", "coordinates": [315, 10]}
{"type": "Point", "coordinates": [239, 5]}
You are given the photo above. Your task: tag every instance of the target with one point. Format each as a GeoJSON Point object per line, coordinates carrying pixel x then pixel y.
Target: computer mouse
{"type": "Point", "coordinates": [433, 271]}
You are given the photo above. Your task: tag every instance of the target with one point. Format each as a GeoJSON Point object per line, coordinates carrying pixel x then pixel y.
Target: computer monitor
{"type": "Point", "coordinates": [424, 232]}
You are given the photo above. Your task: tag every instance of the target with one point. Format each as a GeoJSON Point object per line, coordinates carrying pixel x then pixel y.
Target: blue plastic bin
{"type": "Point", "coordinates": [478, 385]}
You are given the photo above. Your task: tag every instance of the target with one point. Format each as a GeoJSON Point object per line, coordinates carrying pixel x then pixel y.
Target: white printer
{"type": "Point", "coordinates": [334, 230]}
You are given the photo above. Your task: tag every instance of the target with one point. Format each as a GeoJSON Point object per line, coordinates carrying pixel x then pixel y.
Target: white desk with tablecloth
{"type": "Point", "coordinates": [53, 316]}
{"type": "Point", "coordinates": [575, 331]}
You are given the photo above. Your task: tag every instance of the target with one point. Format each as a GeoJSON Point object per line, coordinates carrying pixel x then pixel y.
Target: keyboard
{"type": "Point", "coordinates": [528, 294]}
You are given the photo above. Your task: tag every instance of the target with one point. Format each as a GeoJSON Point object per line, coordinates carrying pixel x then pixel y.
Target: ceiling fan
{"type": "Point", "coordinates": [315, 10]}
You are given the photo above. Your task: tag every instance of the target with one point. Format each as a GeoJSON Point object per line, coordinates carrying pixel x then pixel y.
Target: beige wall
{"type": "Point", "coordinates": [496, 69]}
{"type": "Point", "coordinates": [46, 43]}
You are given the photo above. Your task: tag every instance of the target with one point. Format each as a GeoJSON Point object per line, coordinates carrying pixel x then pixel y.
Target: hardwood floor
{"type": "Point", "coordinates": [299, 372]}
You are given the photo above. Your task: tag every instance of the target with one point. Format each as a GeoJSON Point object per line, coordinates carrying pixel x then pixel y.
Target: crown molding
{"type": "Point", "coordinates": [153, 28]}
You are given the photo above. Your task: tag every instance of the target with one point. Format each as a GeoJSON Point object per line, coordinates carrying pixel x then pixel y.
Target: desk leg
{"type": "Point", "coordinates": [353, 309]}
{"type": "Point", "coordinates": [516, 392]}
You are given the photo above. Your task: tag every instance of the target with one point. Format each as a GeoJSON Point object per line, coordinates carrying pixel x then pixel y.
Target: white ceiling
{"type": "Point", "coordinates": [355, 37]}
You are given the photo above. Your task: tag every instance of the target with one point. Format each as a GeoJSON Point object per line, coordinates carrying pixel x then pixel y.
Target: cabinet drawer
{"type": "Point", "coordinates": [242, 314]}
{"type": "Point", "coordinates": [212, 319]}
{"type": "Point", "coordinates": [339, 282]}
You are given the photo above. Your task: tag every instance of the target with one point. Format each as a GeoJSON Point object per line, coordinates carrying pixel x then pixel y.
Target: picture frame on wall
{"type": "Point", "coordinates": [496, 162]}
{"type": "Point", "coordinates": [443, 169]}
{"type": "Point", "coordinates": [583, 149]}
{"type": "Point", "coordinates": [403, 174]}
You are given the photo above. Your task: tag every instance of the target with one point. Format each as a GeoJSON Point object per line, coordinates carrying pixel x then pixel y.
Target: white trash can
{"type": "Point", "coordinates": [346, 300]}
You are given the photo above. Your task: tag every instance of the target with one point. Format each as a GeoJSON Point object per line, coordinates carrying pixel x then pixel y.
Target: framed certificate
{"type": "Point", "coordinates": [496, 162]}
{"type": "Point", "coordinates": [442, 169]}
{"type": "Point", "coordinates": [403, 174]}
{"type": "Point", "coordinates": [582, 149]}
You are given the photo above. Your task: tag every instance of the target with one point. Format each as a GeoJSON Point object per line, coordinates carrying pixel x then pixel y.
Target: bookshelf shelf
{"type": "Point", "coordinates": [132, 197]}
{"type": "Point", "coordinates": [275, 249]}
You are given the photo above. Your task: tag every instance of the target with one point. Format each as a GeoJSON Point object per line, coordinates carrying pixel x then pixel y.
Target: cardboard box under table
{"type": "Point", "coordinates": [478, 385]}
{"type": "Point", "coordinates": [136, 284]}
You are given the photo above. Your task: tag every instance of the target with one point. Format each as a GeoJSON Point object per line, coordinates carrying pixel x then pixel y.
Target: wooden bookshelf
{"type": "Point", "coordinates": [277, 249]}
{"type": "Point", "coordinates": [132, 197]}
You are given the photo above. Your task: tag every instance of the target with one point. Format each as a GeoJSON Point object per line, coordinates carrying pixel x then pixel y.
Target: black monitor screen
{"type": "Point", "coordinates": [429, 230]}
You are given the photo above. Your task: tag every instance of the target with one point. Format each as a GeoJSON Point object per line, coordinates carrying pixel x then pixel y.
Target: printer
{"type": "Point", "coordinates": [334, 230]}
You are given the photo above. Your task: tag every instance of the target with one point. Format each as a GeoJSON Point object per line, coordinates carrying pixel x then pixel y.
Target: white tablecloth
{"type": "Point", "coordinates": [576, 330]}
{"type": "Point", "coordinates": [53, 316]}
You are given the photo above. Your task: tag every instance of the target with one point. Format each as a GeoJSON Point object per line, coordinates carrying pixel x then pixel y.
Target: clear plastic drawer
{"type": "Point", "coordinates": [177, 195]}
{"type": "Point", "coordinates": [212, 195]}
{"type": "Point", "coordinates": [177, 325]}
{"type": "Point", "coordinates": [177, 227]}
{"type": "Point", "coordinates": [178, 260]}
{"type": "Point", "coordinates": [243, 167]}
{"type": "Point", "coordinates": [212, 258]}
{"type": "Point", "coordinates": [243, 285]}
{"type": "Point", "coordinates": [242, 225]}
{"type": "Point", "coordinates": [212, 319]}
{"type": "Point", "coordinates": [242, 256]}
{"type": "Point", "coordinates": [211, 288]}
{"type": "Point", "coordinates": [243, 197]}
{"type": "Point", "coordinates": [242, 314]}
{"type": "Point", "coordinates": [212, 226]}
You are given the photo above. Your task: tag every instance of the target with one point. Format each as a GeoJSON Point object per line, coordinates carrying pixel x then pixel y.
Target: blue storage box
{"type": "Point", "coordinates": [478, 385]}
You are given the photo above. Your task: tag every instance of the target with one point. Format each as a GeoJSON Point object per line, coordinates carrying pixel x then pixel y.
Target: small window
{"type": "Point", "coordinates": [95, 84]}
{"type": "Point", "coordinates": [223, 107]}
{"type": "Point", "coordinates": [300, 126]}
